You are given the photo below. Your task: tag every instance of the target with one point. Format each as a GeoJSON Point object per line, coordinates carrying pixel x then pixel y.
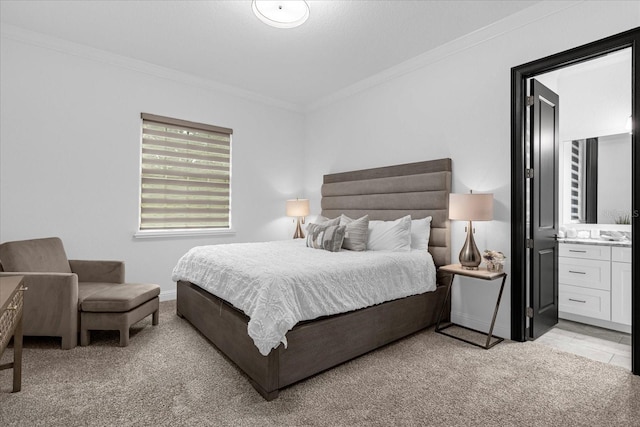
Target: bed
{"type": "Point", "coordinates": [417, 189]}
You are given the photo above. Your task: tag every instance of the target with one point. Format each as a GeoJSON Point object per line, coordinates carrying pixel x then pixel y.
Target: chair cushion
{"type": "Point", "coordinates": [85, 289]}
{"type": "Point", "coordinates": [36, 255]}
{"type": "Point", "coordinates": [119, 298]}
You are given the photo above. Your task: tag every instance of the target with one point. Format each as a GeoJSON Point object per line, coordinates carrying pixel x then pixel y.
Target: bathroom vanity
{"type": "Point", "coordinates": [595, 282]}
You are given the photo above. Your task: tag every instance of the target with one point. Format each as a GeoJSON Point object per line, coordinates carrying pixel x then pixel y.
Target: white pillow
{"type": "Point", "coordinates": [420, 232]}
{"type": "Point", "coordinates": [390, 235]}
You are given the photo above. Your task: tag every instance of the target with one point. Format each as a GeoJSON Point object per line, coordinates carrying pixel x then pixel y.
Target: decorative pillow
{"type": "Point", "coordinates": [324, 221]}
{"type": "Point", "coordinates": [327, 237]}
{"type": "Point", "coordinates": [357, 232]}
{"type": "Point", "coordinates": [420, 232]}
{"type": "Point", "coordinates": [390, 235]}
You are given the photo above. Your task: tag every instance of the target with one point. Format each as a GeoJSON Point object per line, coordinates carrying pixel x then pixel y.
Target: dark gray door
{"type": "Point", "coordinates": [544, 210]}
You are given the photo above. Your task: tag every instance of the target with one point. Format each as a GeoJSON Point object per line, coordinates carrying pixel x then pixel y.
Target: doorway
{"type": "Point", "coordinates": [522, 267]}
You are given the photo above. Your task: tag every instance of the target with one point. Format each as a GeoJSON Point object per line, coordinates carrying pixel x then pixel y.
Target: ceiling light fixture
{"type": "Point", "coordinates": [281, 13]}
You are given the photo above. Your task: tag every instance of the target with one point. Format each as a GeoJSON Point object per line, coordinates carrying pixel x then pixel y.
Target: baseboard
{"type": "Point", "coordinates": [168, 295]}
{"type": "Point", "coordinates": [464, 319]}
{"type": "Point", "coordinates": [596, 322]}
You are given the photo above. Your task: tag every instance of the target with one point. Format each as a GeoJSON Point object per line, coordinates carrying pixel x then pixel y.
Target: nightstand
{"type": "Point", "coordinates": [482, 274]}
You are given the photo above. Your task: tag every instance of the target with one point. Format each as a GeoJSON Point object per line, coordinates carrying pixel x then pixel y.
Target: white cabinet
{"type": "Point", "coordinates": [595, 285]}
{"type": "Point", "coordinates": [584, 276]}
{"type": "Point", "coordinates": [621, 285]}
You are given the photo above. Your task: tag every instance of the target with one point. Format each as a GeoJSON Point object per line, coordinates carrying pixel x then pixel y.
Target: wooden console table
{"type": "Point", "coordinates": [11, 302]}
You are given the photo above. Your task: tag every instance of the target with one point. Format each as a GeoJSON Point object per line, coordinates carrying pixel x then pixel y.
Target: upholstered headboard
{"type": "Point", "coordinates": [417, 189]}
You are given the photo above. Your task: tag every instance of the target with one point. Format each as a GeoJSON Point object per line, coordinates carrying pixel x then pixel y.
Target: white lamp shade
{"type": "Point", "coordinates": [471, 207]}
{"type": "Point", "coordinates": [298, 207]}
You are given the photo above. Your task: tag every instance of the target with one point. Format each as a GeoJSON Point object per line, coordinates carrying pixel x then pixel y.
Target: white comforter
{"type": "Point", "coordinates": [278, 284]}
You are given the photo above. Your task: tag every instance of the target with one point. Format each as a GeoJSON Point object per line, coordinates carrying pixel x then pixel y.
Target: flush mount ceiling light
{"type": "Point", "coordinates": [281, 13]}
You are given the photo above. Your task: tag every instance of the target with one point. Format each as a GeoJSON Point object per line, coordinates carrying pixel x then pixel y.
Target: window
{"type": "Point", "coordinates": [185, 176]}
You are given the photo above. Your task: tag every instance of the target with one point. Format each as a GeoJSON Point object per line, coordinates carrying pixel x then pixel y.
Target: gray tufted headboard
{"type": "Point", "coordinates": [417, 189]}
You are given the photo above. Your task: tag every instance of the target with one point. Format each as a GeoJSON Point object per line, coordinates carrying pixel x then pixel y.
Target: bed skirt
{"type": "Point", "coordinates": [313, 346]}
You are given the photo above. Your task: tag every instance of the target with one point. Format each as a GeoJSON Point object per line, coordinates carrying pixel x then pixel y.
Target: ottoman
{"type": "Point", "coordinates": [117, 308]}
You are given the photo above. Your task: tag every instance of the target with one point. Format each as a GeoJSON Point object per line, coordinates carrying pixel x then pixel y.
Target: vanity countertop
{"type": "Point", "coordinates": [600, 242]}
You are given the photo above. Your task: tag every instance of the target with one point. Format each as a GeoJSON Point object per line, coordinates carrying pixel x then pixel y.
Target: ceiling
{"type": "Point", "coordinates": [342, 43]}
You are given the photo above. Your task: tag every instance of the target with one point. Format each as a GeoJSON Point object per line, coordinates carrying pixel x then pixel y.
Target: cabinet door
{"type": "Point", "coordinates": [621, 292]}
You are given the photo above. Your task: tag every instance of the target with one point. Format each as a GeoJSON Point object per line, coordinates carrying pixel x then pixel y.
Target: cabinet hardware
{"type": "Point", "coordinates": [577, 300]}
{"type": "Point", "coordinates": [580, 252]}
{"type": "Point", "coordinates": [577, 272]}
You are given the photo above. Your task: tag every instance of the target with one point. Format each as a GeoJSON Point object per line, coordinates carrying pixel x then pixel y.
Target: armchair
{"type": "Point", "coordinates": [57, 286]}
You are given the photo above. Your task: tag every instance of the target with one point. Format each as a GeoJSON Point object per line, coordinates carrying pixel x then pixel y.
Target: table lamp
{"type": "Point", "coordinates": [470, 207]}
{"type": "Point", "coordinates": [298, 208]}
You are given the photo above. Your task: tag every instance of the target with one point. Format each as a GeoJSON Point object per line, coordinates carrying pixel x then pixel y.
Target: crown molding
{"type": "Point", "coordinates": [506, 25]}
{"type": "Point", "coordinates": [86, 52]}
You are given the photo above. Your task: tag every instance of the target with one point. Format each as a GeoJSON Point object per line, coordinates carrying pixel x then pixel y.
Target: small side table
{"type": "Point", "coordinates": [483, 274]}
{"type": "Point", "coordinates": [11, 302]}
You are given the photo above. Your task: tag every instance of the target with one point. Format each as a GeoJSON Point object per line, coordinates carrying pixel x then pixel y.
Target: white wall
{"type": "Point", "coordinates": [595, 101]}
{"type": "Point", "coordinates": [457, 105]}
{"type": "Point", "coordinates": [70, 153]}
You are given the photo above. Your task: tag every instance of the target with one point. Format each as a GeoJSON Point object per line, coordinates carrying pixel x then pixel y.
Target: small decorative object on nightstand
{"type": "Point", "coordinates": [494, 260]}
{"type": "Point", "coordinates": [298, 208]}
{"type": "Point", "coordinates": [470, 207]}
{"type": "Point", "coordinates": [483, 274]}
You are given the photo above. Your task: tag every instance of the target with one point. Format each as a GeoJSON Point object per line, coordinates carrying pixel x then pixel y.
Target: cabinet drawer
{"type": "Point", "coordinates": [619, 254]}
{"type": "Point", "coordinates": [586, 273]}
{"type": "Point", "coordinates": [585, 302]}
{"type": "Point", "coordinates": [585, 251]}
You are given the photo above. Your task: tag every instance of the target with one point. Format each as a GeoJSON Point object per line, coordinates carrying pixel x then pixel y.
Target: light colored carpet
{"type": "Point", "coordinates": [171, 375]}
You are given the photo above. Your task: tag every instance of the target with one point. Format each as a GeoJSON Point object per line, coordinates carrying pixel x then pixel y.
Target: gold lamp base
{"type": "Point", "coordinates": [470, 257]}
{"type": "Point", "coordinates": [298, 234]}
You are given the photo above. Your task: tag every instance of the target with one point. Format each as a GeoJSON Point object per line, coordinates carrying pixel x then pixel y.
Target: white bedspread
{"type": "Point", "coordinates": [278, 284]}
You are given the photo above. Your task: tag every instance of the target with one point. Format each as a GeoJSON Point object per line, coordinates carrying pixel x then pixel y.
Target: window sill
{"type": "Point", "coordinates": [154, 234]}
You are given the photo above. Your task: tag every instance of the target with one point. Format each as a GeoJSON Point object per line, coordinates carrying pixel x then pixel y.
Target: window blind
{"type": "Point", "coordinates": [185, 175]}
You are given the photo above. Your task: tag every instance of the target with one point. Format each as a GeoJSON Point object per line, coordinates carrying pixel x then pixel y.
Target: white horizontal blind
{"type": "Point", "coordinates": [186, 175]}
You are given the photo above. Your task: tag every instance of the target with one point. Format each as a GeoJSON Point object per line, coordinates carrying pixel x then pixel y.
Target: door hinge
{"type": "Point", "coordinates": [530, 101]}
{"type": "Point", "coordinates": [530, 312]}
{"type": "Point", "coordinates": [529, 243]}
{"type": "Point", "coordinates": [529, 173]}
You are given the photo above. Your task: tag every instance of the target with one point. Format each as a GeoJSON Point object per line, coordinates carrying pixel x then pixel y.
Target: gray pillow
{"type": "Point", "coordinates": [320, 220]}
{"type": "Point", "coordinates": [357, 232]}
{"type": "Point", "coordinates": [327, 237]}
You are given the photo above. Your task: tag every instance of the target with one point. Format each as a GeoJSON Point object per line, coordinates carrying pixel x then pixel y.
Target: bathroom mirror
{"type": "Point", "coordinates": [596, 185]}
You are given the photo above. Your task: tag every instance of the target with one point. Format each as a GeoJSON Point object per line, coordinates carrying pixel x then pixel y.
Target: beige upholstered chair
{"type": "Point", "coordinates": [57, 286]}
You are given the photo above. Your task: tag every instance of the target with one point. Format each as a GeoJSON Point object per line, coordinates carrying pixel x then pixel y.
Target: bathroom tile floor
{"type": "Point", "coordinates": [589, 341]}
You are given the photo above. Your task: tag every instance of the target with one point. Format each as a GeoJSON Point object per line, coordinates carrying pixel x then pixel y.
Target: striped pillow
{"type": "Point", "coordinates": [320, 220]}
{"type": "Point", "coordinates": [327, 237]}
{"type": "Point", "coordinates": [357, 232]}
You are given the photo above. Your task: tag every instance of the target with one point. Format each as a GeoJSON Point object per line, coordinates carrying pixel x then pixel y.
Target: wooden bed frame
{"type": "Point", "coordinates": [419, 189]}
